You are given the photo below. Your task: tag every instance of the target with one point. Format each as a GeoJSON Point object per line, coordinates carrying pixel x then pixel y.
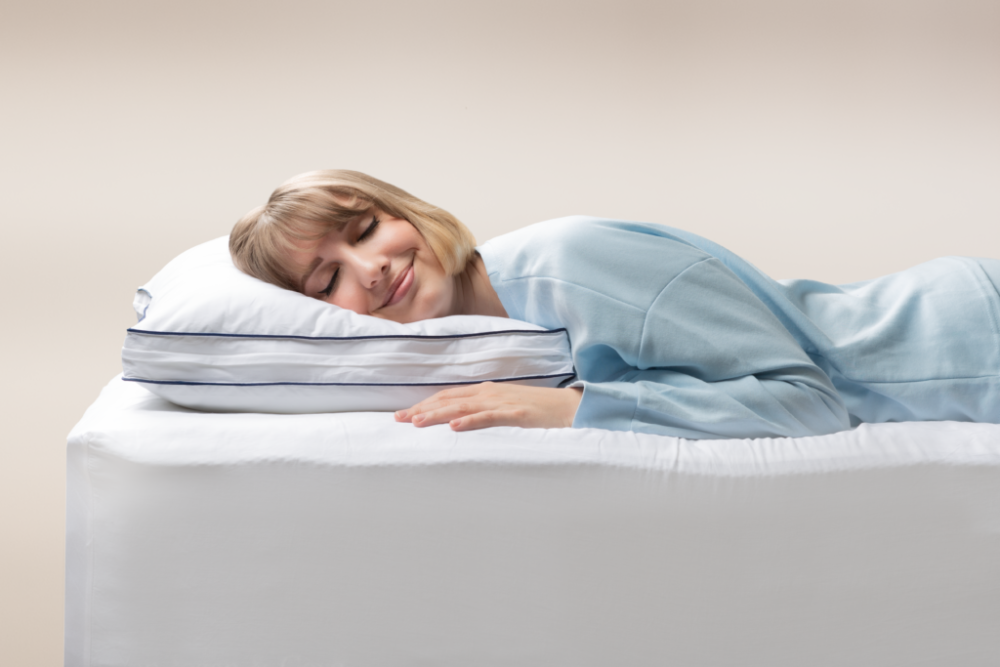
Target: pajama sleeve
{"type": "Point", "coordinates": [666, 339]}
{"type": "Point", "coordinates": [709, 360]}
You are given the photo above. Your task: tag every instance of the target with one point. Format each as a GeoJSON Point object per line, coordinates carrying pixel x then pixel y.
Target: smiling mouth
{"type": "Point", "coordinates": [400, 287]}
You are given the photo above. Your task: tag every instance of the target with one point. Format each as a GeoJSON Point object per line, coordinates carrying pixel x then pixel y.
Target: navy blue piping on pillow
{"type": "Point", "coordinates": [385, 337]}
{"type": "Point", "coordinates": [349, 384]}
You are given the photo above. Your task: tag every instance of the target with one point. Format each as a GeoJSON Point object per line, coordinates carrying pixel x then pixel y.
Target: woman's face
{"type": "Point", "coordinates": [377, 265]}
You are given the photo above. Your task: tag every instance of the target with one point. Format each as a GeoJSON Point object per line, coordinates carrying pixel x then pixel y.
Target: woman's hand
{"type": "Point", "coordinates": [496, 404]}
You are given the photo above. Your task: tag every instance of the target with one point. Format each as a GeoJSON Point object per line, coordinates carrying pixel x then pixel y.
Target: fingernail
{"type": "Point", "coordinates": [400, 414]}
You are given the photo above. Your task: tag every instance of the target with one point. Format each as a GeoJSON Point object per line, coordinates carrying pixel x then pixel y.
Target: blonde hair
{"type": "Point", "coordinates": [309, 206]}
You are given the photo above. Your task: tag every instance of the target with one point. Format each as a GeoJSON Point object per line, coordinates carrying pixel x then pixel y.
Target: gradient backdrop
{"type": "Point", "coordinates": [830, 139]}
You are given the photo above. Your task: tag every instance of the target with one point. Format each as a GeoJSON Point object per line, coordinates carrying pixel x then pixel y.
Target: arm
{"type": "Point", "coordinates": [706, 360]}
{"type": "Point", "coordinates": [665, 338]}
{"type": "Point", "coordinates": [670, 403]}
{"type": "Point", "coordinates": [710, 360]}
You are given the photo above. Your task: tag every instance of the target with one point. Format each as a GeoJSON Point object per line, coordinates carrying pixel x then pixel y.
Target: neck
{"type": "Point", "coordinates": [474, 295]}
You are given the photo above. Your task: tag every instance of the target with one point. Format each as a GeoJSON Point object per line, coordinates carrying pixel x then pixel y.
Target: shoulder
{"type": "Point", "coordinates": [575, 247]}
{"type": "Point", "coordinates": [554, 273]}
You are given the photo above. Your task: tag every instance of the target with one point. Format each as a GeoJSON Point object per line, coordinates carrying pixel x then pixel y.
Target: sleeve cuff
{"type": "Point", "coordinates": [606, 405]}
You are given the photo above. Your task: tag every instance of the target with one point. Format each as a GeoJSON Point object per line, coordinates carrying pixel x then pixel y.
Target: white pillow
{"type": "Point", "coordinates": [213, 338]}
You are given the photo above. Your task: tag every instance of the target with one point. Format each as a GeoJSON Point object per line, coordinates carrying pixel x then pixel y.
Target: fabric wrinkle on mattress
{"type": "Point", "coordinates": [349, 539]}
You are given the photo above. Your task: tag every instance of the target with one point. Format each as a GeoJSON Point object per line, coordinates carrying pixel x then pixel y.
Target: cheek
{"type": "Point", "coordinates": [350, 299]}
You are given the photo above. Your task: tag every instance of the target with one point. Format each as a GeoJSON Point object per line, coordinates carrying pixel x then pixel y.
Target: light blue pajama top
{"type": "Point", "coordinates": [673, 334]}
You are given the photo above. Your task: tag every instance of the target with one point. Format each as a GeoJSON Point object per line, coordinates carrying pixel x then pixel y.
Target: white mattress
{"type": "Point", "coordinates": [350, 540]}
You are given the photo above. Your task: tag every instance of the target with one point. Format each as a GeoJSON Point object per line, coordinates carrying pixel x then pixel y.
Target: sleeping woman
{"type": "Point", "coordinates": [670, 333]}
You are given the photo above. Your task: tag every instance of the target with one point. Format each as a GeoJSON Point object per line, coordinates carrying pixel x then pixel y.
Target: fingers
{"type": "Point", "coordinates": [443, 399]}
{"type": "Point", "coordinates": [445, 413]}
{"type": "Point", "coordinates": [487, 419]}
{"type": "Point", "coordinates": [489, 404]}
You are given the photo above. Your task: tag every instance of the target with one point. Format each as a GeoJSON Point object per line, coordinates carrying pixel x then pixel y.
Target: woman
{"type": "Point", "coordinates": [671, 333]}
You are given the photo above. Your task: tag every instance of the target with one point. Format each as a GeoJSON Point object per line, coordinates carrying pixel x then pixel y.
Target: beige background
{"type": "Point", "coordinates": [835, 139]}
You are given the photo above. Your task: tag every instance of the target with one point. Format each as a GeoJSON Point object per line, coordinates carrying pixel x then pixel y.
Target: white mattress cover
{"type": "Point", "coordinates": [348, 539]}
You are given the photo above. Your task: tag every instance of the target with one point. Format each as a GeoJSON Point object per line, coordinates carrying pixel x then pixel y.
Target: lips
{"type": "Point", "coordinates": [400, 286]}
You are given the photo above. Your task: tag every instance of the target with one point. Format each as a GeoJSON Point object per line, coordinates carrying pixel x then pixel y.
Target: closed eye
{"type": "Point", "coordinates": [329, 288]}
{"type": "Point", "coordinates": [370, 229]}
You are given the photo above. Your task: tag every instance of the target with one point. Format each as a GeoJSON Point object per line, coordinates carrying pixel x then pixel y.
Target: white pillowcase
{"type": "Point", "coordinates": [213, 338]}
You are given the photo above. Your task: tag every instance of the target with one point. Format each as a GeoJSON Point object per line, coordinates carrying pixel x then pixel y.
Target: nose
{"type": "Point", "coordinates": [371, 267]}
